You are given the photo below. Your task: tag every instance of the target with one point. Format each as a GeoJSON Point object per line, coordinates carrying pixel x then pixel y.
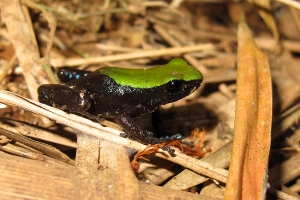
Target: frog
{"type": "Point", "coordinates": [122, 94]}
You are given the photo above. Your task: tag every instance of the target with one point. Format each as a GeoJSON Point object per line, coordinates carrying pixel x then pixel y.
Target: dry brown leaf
{"type": "Point", "coordinates": [263, 8]}
{"type": "Point", "coordinates": [26, 48]}
{"type": "Point", "coordinates": [251, 145]}
{"type": "Point", "coordinates": [198, 140]}
{"type": "Point", "coordinates": [39, 146]}
{"type": "Point", "coordinates": [150, 149]}
{"type": "Point", "coordinates": [235, 11]}
{"type": "Point", "coordinates": [286, 81]}
{"type": "Point", "coordinates": [196, 151]}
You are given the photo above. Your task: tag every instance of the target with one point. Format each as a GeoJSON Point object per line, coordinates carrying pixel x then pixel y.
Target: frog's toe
{"type": "Point", "coordinates": [124, 135]}
{"type": "Point", "coordinates": [177, 136]}
{"type": "Point", "coordinates": [149, 133]}
{"type": "Point", "coordinates": [168, 149]}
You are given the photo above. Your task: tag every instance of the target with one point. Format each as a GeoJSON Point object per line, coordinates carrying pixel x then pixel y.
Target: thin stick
{"type": "Point", "coordinates": [42, 147]}
{"type": "Point", "coordinates": [130, 56]}
{"type": "Point", "coordinates": [95, 129]}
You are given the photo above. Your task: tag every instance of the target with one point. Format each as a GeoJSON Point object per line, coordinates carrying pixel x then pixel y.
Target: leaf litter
{"type": "Point", "coordinates": [139, 34]}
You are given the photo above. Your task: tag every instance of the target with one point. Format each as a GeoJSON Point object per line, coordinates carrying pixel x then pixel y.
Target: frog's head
{"type": "Point", "coordinates": [174, 90]}
{"type": "Point", "coordinates": [176, 80]}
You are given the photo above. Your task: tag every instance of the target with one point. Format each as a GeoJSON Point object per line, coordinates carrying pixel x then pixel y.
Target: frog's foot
{"type": "Point", "coordinates": [153, 140]}
{"type": "Point", "coordinates": [168, 149]}
{"type": "Point", "coordinates": [150, 134]}
{"type": "Point", "coordinates": [177, 136]}
{"type": "Point", "coordinates": [124, 135]}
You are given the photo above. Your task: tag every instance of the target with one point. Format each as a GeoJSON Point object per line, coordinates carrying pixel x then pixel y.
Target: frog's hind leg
{"type": "Point", "coordinates": [65, 98]}
{"type": "Point", "coordinates": [136, 132]}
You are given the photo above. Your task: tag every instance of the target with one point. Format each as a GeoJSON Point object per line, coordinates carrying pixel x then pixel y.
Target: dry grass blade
{"type": "Point", "coordinates": [289, 171]}
{"type": "Point", "coordinates": [106, 133]}
{"type": "Point", "coordinates": [129, 56]}
{"type": "Point", "coordinates": [294, 4]}
{"type": "Point", "coordinates": [42, 147]}
{"type": "Point", "coordinates": [251, 145]}
{"type": "Point", "coordinates": [24, 43]}
{"type": "Point", "coordinates": [37, 36]}
{"type": "Point", "coordinates": [263, 8]}
{"type": "Point", "coordinates": [34, 132]}
{"type": "Point", "coordinates": [188, 178]}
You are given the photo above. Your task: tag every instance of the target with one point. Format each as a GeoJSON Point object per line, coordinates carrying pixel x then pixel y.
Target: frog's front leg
{"type": "Point", "coordinates": [138, 133]}
{"type": "Point", "coordinates": [135, 130]}
{"type": "Point", "coordinates": [65, 98]}
{"type": "Point", "coordinates": [124, 118]}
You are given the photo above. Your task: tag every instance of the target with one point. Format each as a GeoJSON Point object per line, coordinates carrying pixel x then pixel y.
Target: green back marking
{"type": "Point", "coordinates": [177, 69]}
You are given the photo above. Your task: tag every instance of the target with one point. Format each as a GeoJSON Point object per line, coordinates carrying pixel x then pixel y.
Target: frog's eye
{"type": "Point", "coordinates": [174, 86]}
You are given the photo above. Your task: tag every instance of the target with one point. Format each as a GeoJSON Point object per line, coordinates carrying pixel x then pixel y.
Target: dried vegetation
{"type": "Point", "coordinates": [248, 53]}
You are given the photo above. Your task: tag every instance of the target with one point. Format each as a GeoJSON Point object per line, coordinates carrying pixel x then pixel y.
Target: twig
{"type": "Point", "coordinates": [106, 133]}
{"type": "Point", "coordinates": [130, 56]}
{"type": "Point", "coordinates": [44, 148]}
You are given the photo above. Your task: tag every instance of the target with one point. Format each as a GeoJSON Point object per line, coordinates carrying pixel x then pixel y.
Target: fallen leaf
{"type": "Point", "coordinates": [198, 140]}
{"type": "Point", "coordinates": [152, 149]}
{"type": "Point", "coordinates": [264, 10]}
{"type": "Point", "coordinates": [251, 144]}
